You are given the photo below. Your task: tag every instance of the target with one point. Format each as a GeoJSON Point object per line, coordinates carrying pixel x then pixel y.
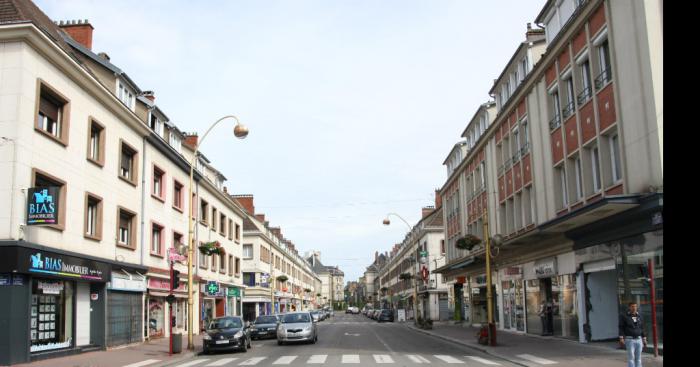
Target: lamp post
{"type": "Point", "coordinates": [387, 222]}
{"type": "Point", "coordinates": [240, 131]}
{"type": "Point", "coordinates": [489, 294]}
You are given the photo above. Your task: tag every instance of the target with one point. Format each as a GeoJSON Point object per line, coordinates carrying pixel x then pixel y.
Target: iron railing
{"type": "Point", "coordinates": [603, 78]}
{"type": "Point", "coordinates": [584, 96]}
{"type": "Point", "coordinates": [555, 122]}
{"type": "Point", "coordinates": [568, 110]}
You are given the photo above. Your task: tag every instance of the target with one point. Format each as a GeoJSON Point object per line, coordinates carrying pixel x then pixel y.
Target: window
{"type": "Point", "coordinates": [555, 122]}
{"type": "Point", "coordinates": [561, 174]}
{"type": "Point", "coordinates": [524, 68]}
{"type": "Point", "coordinates": [158, 183]}
{"type": "Point", "coordinates": [125, 95]}
{"type": "Point", "coordinates": [222, 224]}
{"type": "Point", "coordinates": [175, 141]}
{"type": "Point", "coordinates": [569, 108]}
{"type": "Point", "coordinates": [615, 158]}
{"type": "Point", "coordinates": [157, 125]}
{"type": "Point", "coordinates": [230, 265]}
{"type": "Point", "coordinates": [213, 262]}
{"type": "Point", "coordinates": [93, 216]}
{"type": "Point", "coordinates": [43, 179]}
{"type": "Point", "coordinates": [213, 218]}
{"type": "Point", "coordinates": [222, 263]}
{"type": "Point", "coordinates": [516, 144]}
{"type": "Point", "coordinates": [128, 163]}
{"type": "Point", "coordinates": [247, 252]}
{"type": "Point", "coordinates": [126, 228]}
{"type": "Point", "coordinates": [52, 114]}
{"type": "Point", "coordinates": [595, 165]}
{"type": "Point", "coordinates": [604, 62]}
{"type": "Point", "coordinates": [238, 232]}
{"type": "Point", "coordinates": [587, 91]}
{"type": "Point", "coordinates": [579, 178]}
{"type": "Point", "coordinates": [205, 212]}
{"type": "Point", "coordinates": [442, 247]}
{"type": "Point", "coordinates": [156, 239]}
{"type": "Point", "coordinates": [203, 259]}
{"type": "Point", "coordinates": [177, 195]}
{"type": "Point", "coordinates": [238, 266]}
{"type": "Point", "coordinates": [96, 142]}
{"type": "Point", "coordinates": [177, 239]}
{"type": "Point", "coordinates": [483, 174]}
{"type": "Point", "coordinates": [230, 229]}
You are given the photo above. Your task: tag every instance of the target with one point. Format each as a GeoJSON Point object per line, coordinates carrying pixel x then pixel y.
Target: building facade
{"type": "Point", "coordinates": [566, 187]}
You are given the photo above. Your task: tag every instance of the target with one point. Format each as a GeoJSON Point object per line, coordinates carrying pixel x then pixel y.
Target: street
{"type": "Point", "coordinates": [352, 339]}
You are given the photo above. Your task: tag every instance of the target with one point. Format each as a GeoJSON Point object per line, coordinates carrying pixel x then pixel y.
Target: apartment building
{"type": "Point", "coordinates": [268, 256]}
{"type": "Point", "coordinates": [113, 170]}
{"type": "Point", "coordinates": [332, 280]}
{"type": "Point", "coordinates": [574, 176]}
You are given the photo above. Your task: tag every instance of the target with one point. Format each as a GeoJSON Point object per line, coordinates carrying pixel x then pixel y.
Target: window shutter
{"type": "Point", "coordinates": [49, 108]}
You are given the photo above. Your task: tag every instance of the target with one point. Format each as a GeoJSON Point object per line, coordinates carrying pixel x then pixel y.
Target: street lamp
{"type": "Point", "coordinates": [387, 222]}
{"type": "Point", "coordinates": [497, 239]}
{"type": "Point", "coordinates": [240, 131]}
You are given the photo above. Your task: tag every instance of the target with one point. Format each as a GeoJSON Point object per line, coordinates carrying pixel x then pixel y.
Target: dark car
{"type": "Point", "coordinates": [385, 315]}
{"type": "Point", "coordinates": [225, 333]}
{"type": "Point", "coordinates": [264, 327]}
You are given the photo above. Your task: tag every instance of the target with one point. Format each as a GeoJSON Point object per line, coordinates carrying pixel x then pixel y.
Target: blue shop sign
{"type": "Point", "coordinates": [42, 206]}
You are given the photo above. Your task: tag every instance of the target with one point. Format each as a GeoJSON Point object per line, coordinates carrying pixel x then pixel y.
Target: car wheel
{"type": "Point", "coordinates": [279, 342]}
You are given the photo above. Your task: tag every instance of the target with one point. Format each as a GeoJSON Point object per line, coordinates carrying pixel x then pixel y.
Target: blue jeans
{"type": "Point", "coordinates": [634, 351]}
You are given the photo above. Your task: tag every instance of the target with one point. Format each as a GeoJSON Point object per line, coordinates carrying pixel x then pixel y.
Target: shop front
{"type": "Point", "coordinates": [47, 289]}
{"type": "Point", "coordinates": [551, 296]}
{"type": "Point", "coordinates": [479, 300]}
{"type": "Point", "coordinates": [234, 304]}
{"type": "Point", "coordinates": [512, 299]}
{"type": "Point", "coordinates": [157, 323]}
{"type": "Point", "coordinates": [213, 302]}
{"type": "Point", "coordinates": [125, 294]}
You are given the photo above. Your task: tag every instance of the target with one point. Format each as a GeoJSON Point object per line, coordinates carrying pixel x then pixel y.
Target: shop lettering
{"type": "Point", "coordinates": [75, 269]}
{"type": "Point", "coordinates": [49, 208]}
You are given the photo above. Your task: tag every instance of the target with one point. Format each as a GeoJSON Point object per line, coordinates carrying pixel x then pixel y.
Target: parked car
{"type": "Point", "coordinates": [385, 315]}
{"type": "Point", "coordinates": [375, 316]}
{"type": "Point", "coordinates": [264, 326]}
{"type": "Point", "coordinates": [316, 315]}
{"type": "Point", "coordinates": [356, 310]}
{"type": "Point", "coordinates": [225, 333]}
{"type": "Point", "coordinates": [295, 327]}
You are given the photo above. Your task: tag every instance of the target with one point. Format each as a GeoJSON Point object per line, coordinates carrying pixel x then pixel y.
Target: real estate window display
{"type": "Point", "coordinates": [51, 316]}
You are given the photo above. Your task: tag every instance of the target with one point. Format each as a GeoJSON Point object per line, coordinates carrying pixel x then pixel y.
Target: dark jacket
{"type": "Point", "coordinates": [628, 327]}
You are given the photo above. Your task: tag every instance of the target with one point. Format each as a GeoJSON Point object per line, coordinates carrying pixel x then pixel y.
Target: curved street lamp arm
{"type": "Point", "coordinates": [196, 149]}
{"type": "Point", "coordinates": [408, 225]}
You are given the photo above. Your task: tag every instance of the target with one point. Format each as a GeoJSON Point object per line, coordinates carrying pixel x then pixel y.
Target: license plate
{"type": "Point", "coordinates": [262, 332]}
{"type": "Point", "coordinates": [222, 342]}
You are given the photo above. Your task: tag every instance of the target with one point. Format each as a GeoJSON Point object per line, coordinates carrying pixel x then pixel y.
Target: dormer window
{"type": "Point", "coordinates": [156, 125]}
{"type": "Point", "coordinates": [125, 95]}
{"type": "Point", "coordinates": [524, 68]}
{"type": "Point", "coordinates": [175, 141]}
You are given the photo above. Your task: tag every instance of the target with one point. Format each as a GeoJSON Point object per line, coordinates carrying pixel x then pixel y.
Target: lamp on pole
{"type": "Point", "coordinates": [387, 222]}
{"type": "Point", "coordinates": [240, 131]}
{"type": "Point", "coordinates": [489, 294]}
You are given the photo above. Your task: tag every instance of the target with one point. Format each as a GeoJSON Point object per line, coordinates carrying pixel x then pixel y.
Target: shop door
{"type": "Point", "coordinates": [124, 319]}
{"type": "Point", "coordinates": [220, 308]}
{"type": "Point", "coordinates": [508, 305]}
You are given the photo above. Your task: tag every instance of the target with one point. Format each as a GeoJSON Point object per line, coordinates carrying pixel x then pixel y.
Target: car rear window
{"type": "Point", "coordinates": [295, 318]}
{"type": "Point", "coordinates": [266, 320]}
{"type": "Point", "coordinates": [386, 312]}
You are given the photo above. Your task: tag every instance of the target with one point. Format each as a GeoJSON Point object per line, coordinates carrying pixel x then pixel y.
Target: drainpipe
{"type": "Point", "coordinates": [143, 196]}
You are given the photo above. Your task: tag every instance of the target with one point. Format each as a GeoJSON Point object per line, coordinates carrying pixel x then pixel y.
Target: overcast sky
{"type": "Point", "coordinates": [352, 105]}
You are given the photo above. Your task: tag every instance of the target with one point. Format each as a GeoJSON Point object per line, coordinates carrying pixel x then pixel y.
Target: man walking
{"type": "Point", "coordinates": [631, 332]}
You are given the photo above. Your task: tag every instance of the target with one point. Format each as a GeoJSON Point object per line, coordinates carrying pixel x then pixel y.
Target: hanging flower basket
{"type": "Point", "coordinates": [307, 290]}
{"type": "Point", "coordinates": [405, 276]}
{"type": "Point", "coordinates": [468, 242]}
{"type": "Point", "coordinates": [282, 278]}
{"type": "Point", "coordinates": [212, 248]}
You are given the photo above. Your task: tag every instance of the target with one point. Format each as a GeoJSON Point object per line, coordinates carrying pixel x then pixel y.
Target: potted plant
{"type": "Point", "coordinates": [282, 278]}
{"type": "Point", "coordinates": [405, 276]}
{"type": "Point", "coordinates": [318, 294]}
{"type": "Point", "coordinates": [467, 242]}
{"type": "Point", "coordinates": [212, 248]}
{"type": "Point", "coordinates": [307, 290]}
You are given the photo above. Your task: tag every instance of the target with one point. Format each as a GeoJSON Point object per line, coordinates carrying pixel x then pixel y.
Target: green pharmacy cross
{"type": "Point", "coordinates": [212, 288]}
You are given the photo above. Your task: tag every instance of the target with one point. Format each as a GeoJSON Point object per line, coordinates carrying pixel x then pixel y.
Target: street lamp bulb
{"type": "Point", "coordinates": [386, 221]}
{"type": "Point", "coordinates": [240, 131]}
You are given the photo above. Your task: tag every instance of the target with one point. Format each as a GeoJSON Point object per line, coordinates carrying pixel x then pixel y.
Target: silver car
{"type": "Point", "coordinates": [297, 327]}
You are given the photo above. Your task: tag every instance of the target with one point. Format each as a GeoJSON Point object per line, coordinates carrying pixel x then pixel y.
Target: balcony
{"type": "Point", "coordinates": [584, 96]}
{"type": "Point", "coordinates": [568, 110]}
{"type": "Point", "coordinates": [555, 122]}
{"type": "Point", "coordinates": [525, 149]}
{"type": "Point", "coordinates": [603, 79]}
{"type": "Point", "coordinates": [516, 156]}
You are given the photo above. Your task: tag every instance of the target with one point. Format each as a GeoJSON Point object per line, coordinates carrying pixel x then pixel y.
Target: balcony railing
{"type": "Point", "coordinates": [603, 78]}
{"type": "Point", "coordinates": [525, 149]}
{"type": "Point", "coordinates": [568, 110]}
{"type": "Point", "coordinates": [516, 156]}
{"type": "Point", "coordinates": [555, 122]}
{"type": "Point", "coordinates": [584, 96]}
{"type": "Point", "coordinates": [507, 163]}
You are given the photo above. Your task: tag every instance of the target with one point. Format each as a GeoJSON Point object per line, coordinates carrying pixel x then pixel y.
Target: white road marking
{"type": "Point", "coordinates": [351, 358]}
{"type": "Point", "coordinates": [532, 358]}
{"type": "Point", "coordinates": [222, 361]}
{"type": "Point", "coordinates": [285, 360]}
{"type": "Point", "coordinates": [383, 358]}
{"type": "Point", "coordinates": [143, 363]}
{"type": "Point", "coordinates": [252, 361]}
{"type": "Point", "coordinates": [192, 363]}
{"type": "Point", "coordinates": [417, 359]}
{"type": "Point", "coordinates": [317, 359]}
{"type": "Point", "coordinates": [448, 359]}
{"type": "Point", "coordinates": [484, 361]}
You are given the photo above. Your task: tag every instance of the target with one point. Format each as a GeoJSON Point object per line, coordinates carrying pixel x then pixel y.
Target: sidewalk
{"type": "Point", "coordinates": [156, 349]}
{"type": "Point", "coordinates": [510, 345]}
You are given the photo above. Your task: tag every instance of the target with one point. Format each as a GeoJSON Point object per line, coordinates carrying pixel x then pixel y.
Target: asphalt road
{"type": "Point", "coordinates": [353, 340]}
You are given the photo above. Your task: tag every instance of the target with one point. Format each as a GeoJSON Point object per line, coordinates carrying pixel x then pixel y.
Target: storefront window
{"type": "Point", "coordinates": [634, 278]}
{"type": "Point", "coordinates": [513, 309]}
{"type": "Point", "coordinates": [566, 307]}
{"type": "Point", "coordinates": [156, 316]}
{"type": "Point", "coordinates": [51, 315]}
{"type": "Point", "coordinates": [533, 299]}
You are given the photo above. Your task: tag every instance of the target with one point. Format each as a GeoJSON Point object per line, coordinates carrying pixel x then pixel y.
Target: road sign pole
{"type": "Point", "coordinates": [170, 310]}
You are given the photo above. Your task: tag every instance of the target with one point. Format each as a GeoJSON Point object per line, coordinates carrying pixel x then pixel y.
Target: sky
{"type": "Point", "coordinates": [352, 106]}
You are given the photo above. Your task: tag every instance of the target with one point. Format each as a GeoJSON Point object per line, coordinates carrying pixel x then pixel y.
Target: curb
{"type": "Point", "coordinates": [183, 356]}
{"type": "Point", "coordinates": [466, 345]}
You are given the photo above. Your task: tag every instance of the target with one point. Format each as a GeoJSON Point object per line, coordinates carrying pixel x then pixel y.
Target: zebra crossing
{"type": "Point", "coordinates": [349, 359]}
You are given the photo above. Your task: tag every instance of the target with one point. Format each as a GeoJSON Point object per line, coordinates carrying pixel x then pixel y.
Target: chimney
{"type": "Point", "coordinates": [191, 140]}
{"type": "Point", "coordinates": [438, 198]}
{"type": "Point", "coordinates": [376, 256]}
{"type": "Point", "coordinates": [225, 190]}
{"type": "Point", "coordinates": [533, 34]}
{"type": "Point", "coordinates": [428, 210]}
{"type": "Point", "coordinates": [81, 31]}
{"type": "Point", "coordinates": [149, 94]}
{"type": "Point", "coordinates": [260, 217]}
{"type": "Point", "coordinates": [277, 231]}
{"type": "Point", "coordinates": [246, 202]}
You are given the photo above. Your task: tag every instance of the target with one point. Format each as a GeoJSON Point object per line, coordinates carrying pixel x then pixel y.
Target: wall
{"type": "Point", "coordinates": [603, 316]}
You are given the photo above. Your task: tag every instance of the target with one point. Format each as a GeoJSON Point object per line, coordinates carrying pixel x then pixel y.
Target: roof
{"type": "Point", "coordinates": [482, 107]}
{"type": "Point", "coordinates": [457, 145]}
{"type": "Point", "coordinates": [517, 51]}
{"type": "Point", "coordinates": [543, 12]}
{"type": "Point", "coordinates": [248, 224]}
